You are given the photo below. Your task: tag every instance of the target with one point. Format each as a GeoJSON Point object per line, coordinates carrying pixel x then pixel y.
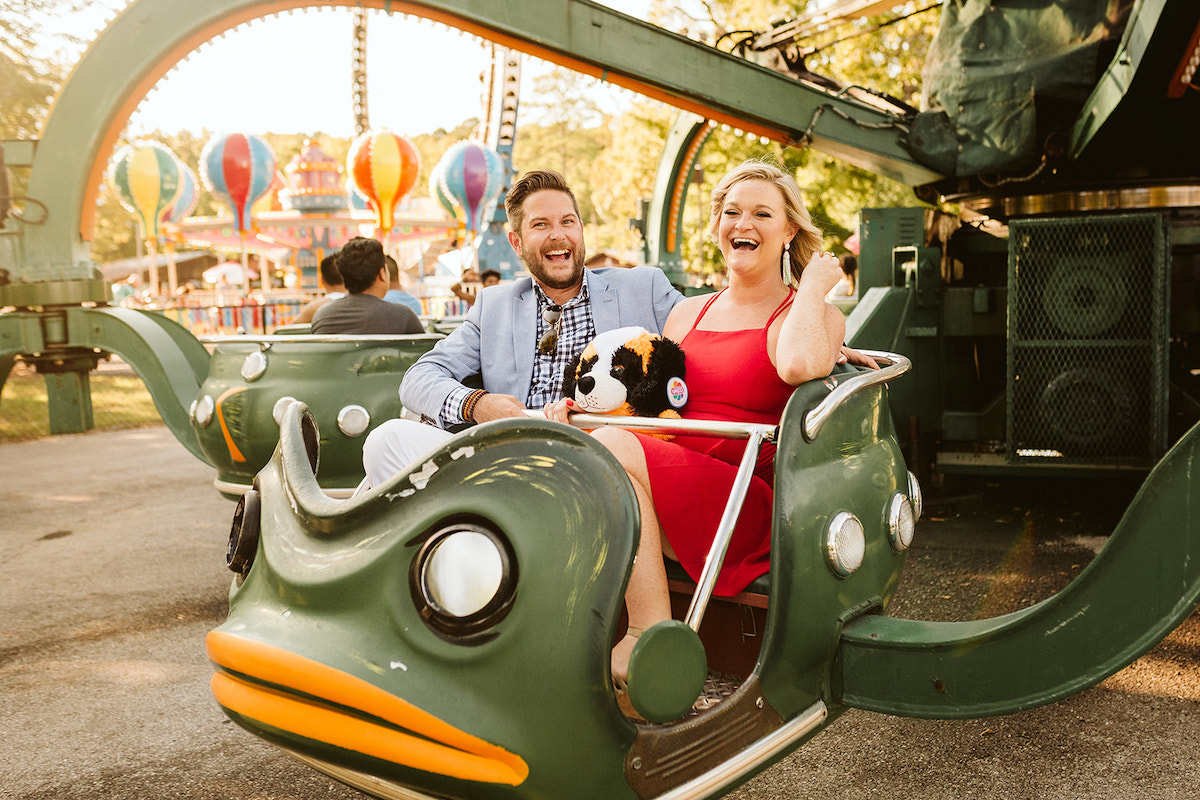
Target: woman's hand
{"type": "Point", "coordinates": [809, 341]}
{"type": "Point", "coordinates": [559, 409]}
{"type": "Point", "coordinates": [823, 272]}
{"type": "Point", "coordinates": [856, 358]}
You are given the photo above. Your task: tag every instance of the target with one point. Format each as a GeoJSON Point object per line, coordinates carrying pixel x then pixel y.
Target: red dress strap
{"type": "Point", "coordinates": [787, 301]}
{"type": "Point", "coordinates": [704, 310]}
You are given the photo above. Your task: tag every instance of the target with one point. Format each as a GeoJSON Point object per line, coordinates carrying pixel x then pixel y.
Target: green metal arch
{"type": "Point", "coordinates": [169, 360]}
{"type": "Point", "coordinates": [663, 231]}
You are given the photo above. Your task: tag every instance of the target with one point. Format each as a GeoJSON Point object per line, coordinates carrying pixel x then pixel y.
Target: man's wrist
{"type": "Point", "coordinates": [469, 404]}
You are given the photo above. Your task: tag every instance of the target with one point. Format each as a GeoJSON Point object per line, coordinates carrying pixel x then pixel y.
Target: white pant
{"type": "Point", "coordinates": [397, 443]}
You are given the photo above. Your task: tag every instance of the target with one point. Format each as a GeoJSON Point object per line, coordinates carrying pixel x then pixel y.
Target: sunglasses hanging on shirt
{"type": "Point", "coordinates": [552, 316]}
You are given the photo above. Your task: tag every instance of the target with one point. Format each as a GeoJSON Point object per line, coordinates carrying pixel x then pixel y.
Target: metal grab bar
{"type": "Point", "coordinates": [719, 429]}
{"type": "Point", "coordinates": [755, 433]}
{"type": "Point", "coordinates": [720, 543]}
{"type": "Point", "coordinates": [895, 365]}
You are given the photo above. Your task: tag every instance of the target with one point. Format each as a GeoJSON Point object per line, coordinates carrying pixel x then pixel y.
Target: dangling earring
{"type": "Point", "coordinates": [785, 265]}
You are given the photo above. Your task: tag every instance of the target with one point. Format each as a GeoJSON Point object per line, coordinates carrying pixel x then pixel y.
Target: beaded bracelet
{"type": "Point", "coordinates": [468, 406]}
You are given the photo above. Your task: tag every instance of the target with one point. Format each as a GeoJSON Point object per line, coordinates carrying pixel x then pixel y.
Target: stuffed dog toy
{"type": "Point", "coordinates": [628, 371]}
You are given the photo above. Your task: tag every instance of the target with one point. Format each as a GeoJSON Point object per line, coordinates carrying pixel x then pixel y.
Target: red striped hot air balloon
{"type": "Point", "coordinates": [384, 168]}
{"type": "Point", "coordinates": [238, 169]}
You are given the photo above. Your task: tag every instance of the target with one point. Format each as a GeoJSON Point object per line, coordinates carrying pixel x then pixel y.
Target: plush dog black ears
{"type": "Point", "coordinates": [664, 387]}
{"type": "Point", "coordinates": [570, 374]}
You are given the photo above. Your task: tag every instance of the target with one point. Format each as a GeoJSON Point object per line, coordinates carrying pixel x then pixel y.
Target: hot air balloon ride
{"type": "Point", "coordinates": [383, 167]}
{"type": "Point", "coordinates": [184, 205]}
{"type": "Point", "coordinates": [147, 177]}
{"type": "Point", "coordinates": [238, 169]}
{"type": "Point", "coordinates": [438, 193]}
{"type": "Point", "coordinates": [471, 175]}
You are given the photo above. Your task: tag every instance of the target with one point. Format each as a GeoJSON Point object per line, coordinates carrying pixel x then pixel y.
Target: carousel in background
{"type": "Point", "coordinates": [282, 223]}
{"type": "Point", "coordinates": [311, 210]}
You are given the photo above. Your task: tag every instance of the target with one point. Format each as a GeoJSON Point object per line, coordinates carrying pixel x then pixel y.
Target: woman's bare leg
{"type": "Point", "coordinates": [646, 597]}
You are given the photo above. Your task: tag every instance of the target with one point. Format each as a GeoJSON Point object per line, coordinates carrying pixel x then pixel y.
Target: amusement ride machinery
{"type": "Point", "coordinates": [1050, 322]}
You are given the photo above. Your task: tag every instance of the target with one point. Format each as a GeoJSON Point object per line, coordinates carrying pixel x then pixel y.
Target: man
{"type": "Point", "coordinates": [395, 294]}
{"type": "Point", "coordinates": [519, 336]}
{"type": "Point", "coordinates": [363, 310]}
{"type": "Point", "coordinates": [331, 281]}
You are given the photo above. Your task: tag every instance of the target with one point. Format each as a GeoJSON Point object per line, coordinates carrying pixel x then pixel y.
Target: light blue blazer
{"type": "Point", "coordinates": [497, 337]}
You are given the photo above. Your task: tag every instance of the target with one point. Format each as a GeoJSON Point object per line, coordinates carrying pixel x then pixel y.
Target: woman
{"type": "Point", "coordinates": [747, 347]}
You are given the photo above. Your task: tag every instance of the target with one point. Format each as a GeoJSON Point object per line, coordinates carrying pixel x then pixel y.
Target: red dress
{"type": "Point", "coordinates": [729, 377]}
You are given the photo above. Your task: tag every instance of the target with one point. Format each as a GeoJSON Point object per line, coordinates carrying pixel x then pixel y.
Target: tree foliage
{"type": "Point", "coordinates": [879, 53]}
{"type": "Point", "coordinates": [28, 81]}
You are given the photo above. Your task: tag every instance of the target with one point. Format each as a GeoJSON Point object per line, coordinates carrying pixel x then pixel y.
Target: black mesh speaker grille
{"type": "Point", "coordinates": [1087, 340]}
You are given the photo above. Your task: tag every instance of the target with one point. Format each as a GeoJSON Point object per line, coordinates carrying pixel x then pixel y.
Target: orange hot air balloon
{"type": "Point", "coordinates": [384, 167]}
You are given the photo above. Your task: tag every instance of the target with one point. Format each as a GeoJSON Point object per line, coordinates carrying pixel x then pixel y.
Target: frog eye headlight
{"type": "Point", "coordinates": [463, 581]}
{"type": "Point", "coordinates": [845, 543]}
{"type": "Point", "coordinates": [914, 493]}
{"type": "Point", "coordinates": [901, 523]}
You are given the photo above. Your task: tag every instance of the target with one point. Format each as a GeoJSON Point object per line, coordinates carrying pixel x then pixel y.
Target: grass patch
{"type": "Point", "coordinates": [119, 400]}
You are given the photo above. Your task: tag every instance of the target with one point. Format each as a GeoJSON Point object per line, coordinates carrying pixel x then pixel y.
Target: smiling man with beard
{"type": "Point", "coordinates": [517, 338]}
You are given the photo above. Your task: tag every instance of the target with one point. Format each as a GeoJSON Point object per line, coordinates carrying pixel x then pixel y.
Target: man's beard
{"type": "Point", "coordinates": [533, 262]}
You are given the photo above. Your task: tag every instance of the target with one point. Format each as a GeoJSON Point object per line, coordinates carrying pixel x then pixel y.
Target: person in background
{"type": "Point", "coordinates": [468, 287]}
{"type": "Point", "coordinates": [848, 285]}
{"type": "Point", "coordinates": [126, 292]}
{"type": "Point", "coordinates": [331, 282]}
{"type": "Point", "coordinates": [363, 311]}
{"type": "Point", "coordinates": [395, 294]}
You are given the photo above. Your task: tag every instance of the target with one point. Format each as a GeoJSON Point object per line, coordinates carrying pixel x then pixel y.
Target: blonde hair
{"type": "Point", "coordinates": [808, 238]}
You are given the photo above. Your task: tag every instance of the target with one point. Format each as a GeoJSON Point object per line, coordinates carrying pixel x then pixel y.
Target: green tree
{"type": "Point", "coordinates": [882, 53]}
{"type": "Point", "coordinates": [563, 130]}
{"type": "Point", "coordinates": [28, 82]}
{"type": "Point", "coordinates": [623, 173]}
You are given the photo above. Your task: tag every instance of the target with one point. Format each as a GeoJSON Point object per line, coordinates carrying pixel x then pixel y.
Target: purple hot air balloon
{"type": "Point", "coordinates": [238, 169]}
{"type": "Point", "coordinates": [472, 176]}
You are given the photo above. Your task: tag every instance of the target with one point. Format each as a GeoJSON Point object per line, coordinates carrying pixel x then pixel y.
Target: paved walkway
{"type": "Point", "coordinates": [112, 549]}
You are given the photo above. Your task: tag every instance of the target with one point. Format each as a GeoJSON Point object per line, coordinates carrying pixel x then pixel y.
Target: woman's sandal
{"type": "Point", "coordinates": [622, 683]}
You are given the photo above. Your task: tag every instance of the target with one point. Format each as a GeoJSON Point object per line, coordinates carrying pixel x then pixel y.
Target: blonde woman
{"type": "Point", "coordinates": [747, 347]}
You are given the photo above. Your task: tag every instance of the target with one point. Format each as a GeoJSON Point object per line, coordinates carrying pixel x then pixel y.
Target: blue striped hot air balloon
{"type": "Point", "coordinates": [439, 194]}
{"type": "Point", "coordinates": [189, 195]}
{"type": "Point", "coordinates": [472, 176]}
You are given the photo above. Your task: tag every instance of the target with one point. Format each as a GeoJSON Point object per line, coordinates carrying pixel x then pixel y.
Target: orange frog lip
{"type": "Point", "coordinates": [426, 743]}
